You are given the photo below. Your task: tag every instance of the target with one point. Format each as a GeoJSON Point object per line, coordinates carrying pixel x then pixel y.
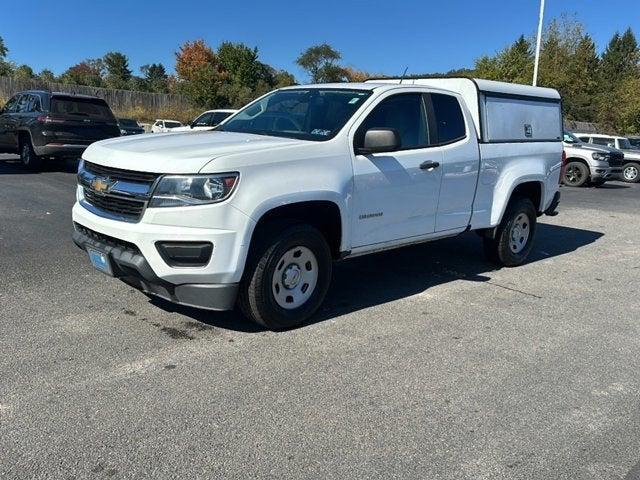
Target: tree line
{"type": "Point", "coordinates": [602, 88]}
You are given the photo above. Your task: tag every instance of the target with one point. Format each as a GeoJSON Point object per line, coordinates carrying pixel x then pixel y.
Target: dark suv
{"type": "Point", "coordinates": [41, 125]}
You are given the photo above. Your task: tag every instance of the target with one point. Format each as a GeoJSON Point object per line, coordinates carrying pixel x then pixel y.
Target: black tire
{"type": "Point", "coordinates": [499, 249]}
{"type": "Point", "coordinates": [631, 172]}
{"type": "Point", "coordinates": [576, 174]}
{"type": "Point", "coordinates": [28, 156]}
{"type": "Point", "coordinates": [256, 297]}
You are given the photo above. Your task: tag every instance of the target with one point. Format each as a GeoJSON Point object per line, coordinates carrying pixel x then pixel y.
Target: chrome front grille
{"type": "Point", "coordinates": [115, 193]}
{"type": "Point", "coordinates": [130, 208]}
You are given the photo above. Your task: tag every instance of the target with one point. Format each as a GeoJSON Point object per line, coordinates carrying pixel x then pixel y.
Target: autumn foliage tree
{"type": "Point", "coordinates": [200, 73]}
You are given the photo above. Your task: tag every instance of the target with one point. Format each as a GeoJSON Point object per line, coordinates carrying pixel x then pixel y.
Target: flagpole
{"type": "Point", "coordinates": [538, 42]}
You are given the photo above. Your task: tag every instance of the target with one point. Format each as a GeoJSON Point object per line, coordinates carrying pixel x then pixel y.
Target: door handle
{"type": "Point", "coordinates": [429, 165]}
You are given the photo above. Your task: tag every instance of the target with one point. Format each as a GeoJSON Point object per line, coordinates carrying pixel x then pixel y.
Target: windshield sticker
{"type": "Point", "coordinates": [320, 131]}
{"type": "Point", "coordinates": [354, 100]}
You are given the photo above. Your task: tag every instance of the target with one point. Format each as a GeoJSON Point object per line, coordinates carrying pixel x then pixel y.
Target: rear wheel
{"type": "Point", "coordinates": [287, 278]}
{"type": "Point", "coordinates": [513, 240]}
{"type": "Point", "coordinates": [576, 174]}
{"type": "Point", "coordinates": [28, 156]}
{"type": "Point", "coordinates": [631, 173]}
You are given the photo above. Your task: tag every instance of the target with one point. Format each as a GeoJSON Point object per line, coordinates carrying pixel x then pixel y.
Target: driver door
{"type": "Point", "coordinates": [396, 192]}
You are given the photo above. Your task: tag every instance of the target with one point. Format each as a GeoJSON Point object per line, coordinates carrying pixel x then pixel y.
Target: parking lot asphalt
{"type": "Point", "coordinates": [425, 362]}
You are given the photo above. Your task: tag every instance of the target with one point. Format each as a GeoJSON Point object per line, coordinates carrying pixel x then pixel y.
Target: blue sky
{"type": "Point", "coordinates": [380, 37]}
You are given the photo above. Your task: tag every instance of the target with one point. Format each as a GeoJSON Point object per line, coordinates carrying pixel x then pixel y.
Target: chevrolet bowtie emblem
{"type": "Point", "coordinates": [101, 184]}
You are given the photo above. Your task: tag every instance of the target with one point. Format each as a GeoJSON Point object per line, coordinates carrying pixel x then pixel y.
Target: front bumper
{"type": "Point", "coordinates": [605, 172]}
{"type": "Point", "coordinates": [129, 265]}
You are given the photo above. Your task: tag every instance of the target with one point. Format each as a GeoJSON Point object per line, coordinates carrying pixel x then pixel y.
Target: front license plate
{"type": "Point", "coordinates": [100, 260]}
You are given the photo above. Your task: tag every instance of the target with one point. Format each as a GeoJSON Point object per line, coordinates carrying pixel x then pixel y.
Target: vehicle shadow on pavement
{"type": "Point", "coordinates": [384, 277]}
{"type": "Point", "coordinates": [13, 166]}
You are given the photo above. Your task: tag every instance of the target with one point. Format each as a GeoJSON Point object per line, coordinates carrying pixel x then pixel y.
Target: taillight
{"type": "Point", "coordinates": [564, 164]}
{"type": "Point", "coordinates": [49, 119]}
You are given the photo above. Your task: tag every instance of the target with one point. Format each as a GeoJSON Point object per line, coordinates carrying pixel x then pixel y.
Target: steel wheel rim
{"type": "Point", "coordinates": [573, 174]}
{"type": "Point", "coordinates": [519, 235]}
{"type": "Point", "coordinates": [630, 173]}
{"type": "Point", "coordinates": [295, 277]}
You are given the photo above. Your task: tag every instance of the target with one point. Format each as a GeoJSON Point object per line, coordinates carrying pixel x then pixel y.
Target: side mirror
{"type": "Point", "coordinates": [380, 140]}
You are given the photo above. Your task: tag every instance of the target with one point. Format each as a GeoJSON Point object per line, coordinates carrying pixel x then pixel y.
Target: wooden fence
{"type": "Point", "coordinates": [152, 104]}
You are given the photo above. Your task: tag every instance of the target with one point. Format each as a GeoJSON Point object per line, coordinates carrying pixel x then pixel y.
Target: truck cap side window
{"type": "Point", "coordinates": [404, 113]}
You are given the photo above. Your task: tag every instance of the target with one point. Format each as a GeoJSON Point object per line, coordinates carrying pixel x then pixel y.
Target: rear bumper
{"type": "Point", "coordinates": [60, 150]}
{"type": "Point", "coordinates": [129, 265]}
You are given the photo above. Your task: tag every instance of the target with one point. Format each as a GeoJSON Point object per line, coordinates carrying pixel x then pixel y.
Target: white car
{"type": "Point", "coordinates": [256, 211]}
{"type": "Point", "coordinates": [631, 167]}
{"type": "Point", "coordinates": [164, 126]}
{"type": "Point", "coordinates": [206, 121]}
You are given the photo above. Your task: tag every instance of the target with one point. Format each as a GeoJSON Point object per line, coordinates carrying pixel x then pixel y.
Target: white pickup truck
{"type": "Point", "coordinates": [255, 212]}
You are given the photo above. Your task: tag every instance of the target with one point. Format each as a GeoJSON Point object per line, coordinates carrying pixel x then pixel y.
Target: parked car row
{"type": "Point", "coordinates": [41, 125]}
{"type": "Point", "coordinates": [595, 158]}
{"type": "Point", "coordinates": [205, 121]}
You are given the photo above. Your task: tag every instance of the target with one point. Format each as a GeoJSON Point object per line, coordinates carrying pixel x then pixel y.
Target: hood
{"type": "Point", "coordinates": [592, 147]}
{"type": "Point", "coordinates": [177, 152]}
{"type": "Point", "coordinates": [632, 154]}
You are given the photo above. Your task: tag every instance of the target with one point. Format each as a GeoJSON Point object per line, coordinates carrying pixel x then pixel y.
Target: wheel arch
{"type": "Point", "coordinates": [323, 212]}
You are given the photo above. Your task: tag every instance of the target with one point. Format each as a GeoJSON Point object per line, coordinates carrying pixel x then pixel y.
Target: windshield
{"type": "Point", "coordinates": [308, 114]}
{"type": "Point", "coordinates": [625, 144]}
{"type": "Point", "coordinates": [571, 138]}
{"type": "Point", "coordinates": [172, 124]}
{"type": "Point", "coordinates": [127, 122]}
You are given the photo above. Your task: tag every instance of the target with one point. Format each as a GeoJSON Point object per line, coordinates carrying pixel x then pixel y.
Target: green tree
{"type": "Point", "coordinates": [24, 72]}
{"type": "Point", "coordinates": [156, 77]}
{"type": "Point", "coordinates": [6, 67]}
{"type": "Point", "coordinates": [241, 62]}
{"type": "Point", "coordinates": [620, 59]}
{"type": "Point", "coordinates": [618, 69]}
{"type": "Point", "coordinates": [47, 75]}
{"type": "Point", "coordinates": [320, 63]}
{"type": "Point", "coordinates": [513, 64]}
{"type": "Point", "coordinates": [117, 68]}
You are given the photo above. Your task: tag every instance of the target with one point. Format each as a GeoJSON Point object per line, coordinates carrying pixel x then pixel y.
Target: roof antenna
{"type": "Point", "coordinates": [403, 74]}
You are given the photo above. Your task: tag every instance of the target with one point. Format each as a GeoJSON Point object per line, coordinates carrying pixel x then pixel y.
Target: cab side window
{"type": "Point", "coordinates": [404, 113]}
{"type": "Point", "coordinates": [449, 119]}
{"type": "Point", "coordinates": [23, 104]}
{"type": "Point", "coordinates": [610, 142]}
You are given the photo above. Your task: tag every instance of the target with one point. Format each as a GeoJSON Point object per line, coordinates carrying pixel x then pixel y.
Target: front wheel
{"type": "Point", "coordinates": [631, 173]}
{"type": "Point", "coordinates": [513, 240]}
{"type": "Point", "coordinates": [576, 174]}
{"type": "Point", "coordinates": [287, 278]}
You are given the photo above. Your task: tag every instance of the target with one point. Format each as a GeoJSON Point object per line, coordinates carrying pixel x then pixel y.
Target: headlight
{"type": "Point", "coordinates": [183, 190]}
{"type": "Point", "coordinates": [601, 157]}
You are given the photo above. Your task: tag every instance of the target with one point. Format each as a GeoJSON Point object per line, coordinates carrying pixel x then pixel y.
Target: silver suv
{"type": "Point", "coordinates": [631, 167]}
{"type": "Point", "coordinates": [588, 163]}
